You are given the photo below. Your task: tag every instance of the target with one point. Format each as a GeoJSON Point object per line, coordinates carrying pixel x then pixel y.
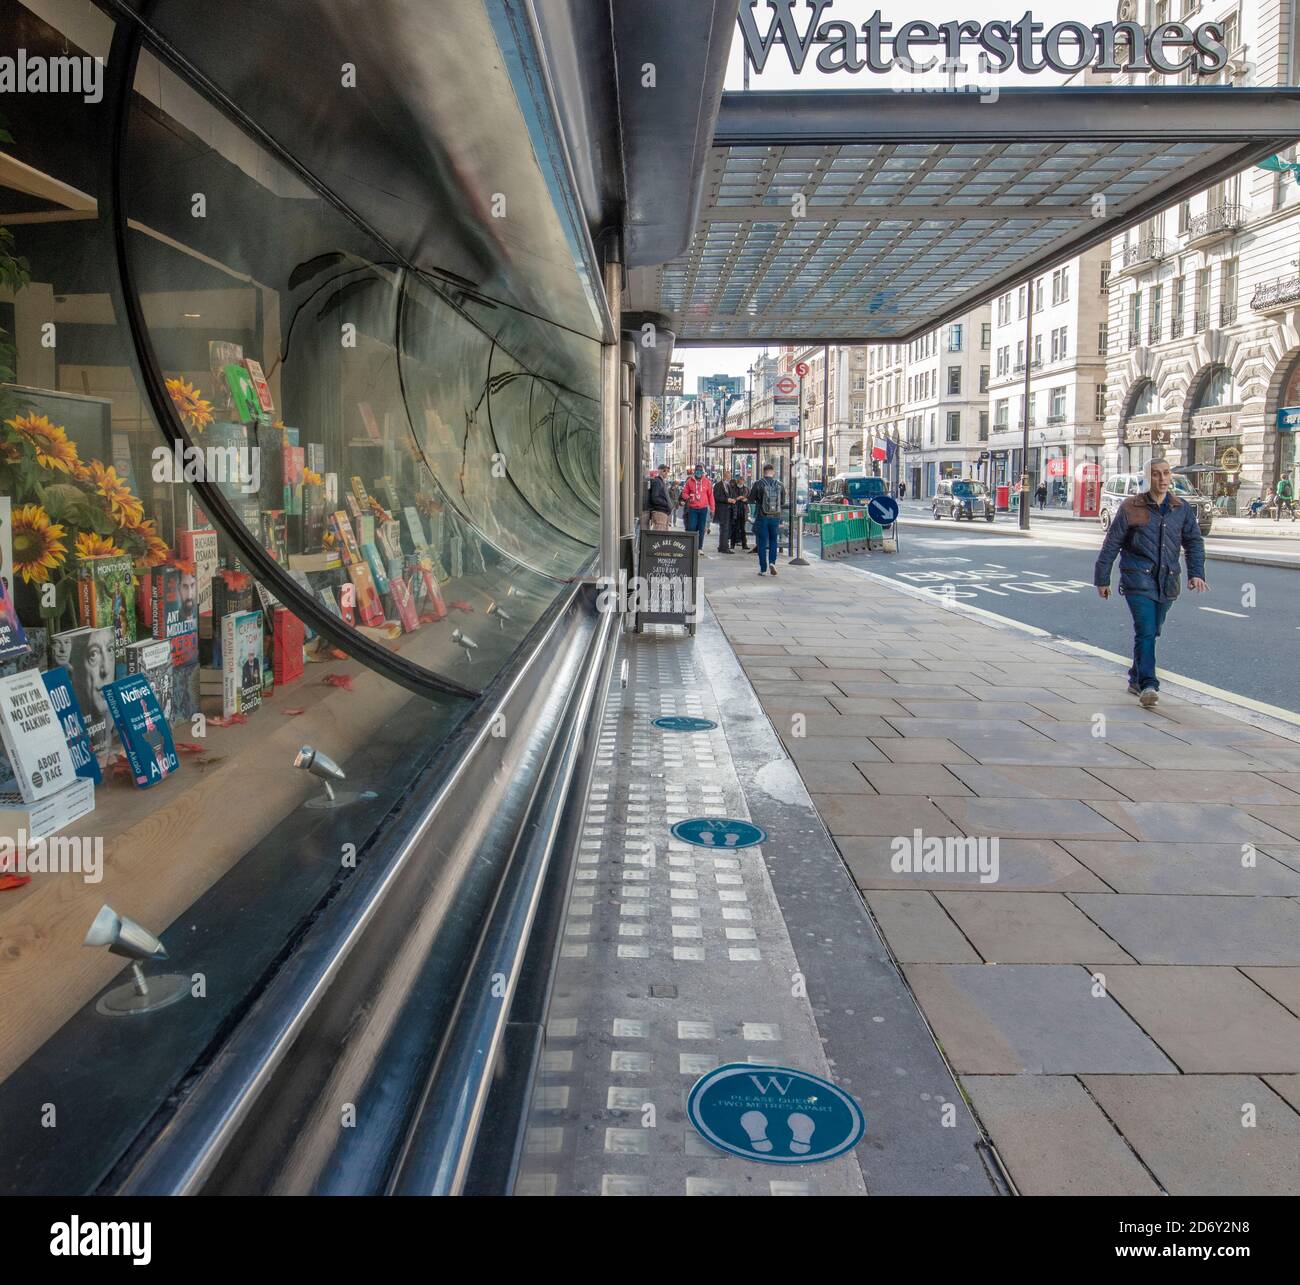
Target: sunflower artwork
{"type": "Point", "coordinates": [64, 509]}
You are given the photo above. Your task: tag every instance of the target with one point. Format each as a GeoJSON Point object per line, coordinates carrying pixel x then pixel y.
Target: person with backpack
{"type": "Point", "coordinates": [658, 504]}
{"type": "Point", "coordinates": [697, 496]}
{"type": "Point", "coordinates": [674, 499]}
{"type": "Point", "coordinates": [767, 495]}
{"type": "Point", "coordinates": [1286, 497]}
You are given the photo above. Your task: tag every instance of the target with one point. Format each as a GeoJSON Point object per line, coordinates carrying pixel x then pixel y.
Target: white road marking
{"type": "Point", "coordinates": [1219, 611]}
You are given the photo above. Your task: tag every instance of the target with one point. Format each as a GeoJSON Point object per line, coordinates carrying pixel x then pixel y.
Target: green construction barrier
{"type": "Point", "coordinates": [834, 529]}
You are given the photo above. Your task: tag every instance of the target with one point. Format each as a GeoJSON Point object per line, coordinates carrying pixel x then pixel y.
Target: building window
{"type": "Point", "coordinates": [1227, 292]}
{"type": "Point", "coordinates": [954, 426]}
{"type": "Point", "coordinates": [1103, 339]}
{"type": "Point", "coordinates": [1060, 285]}
{"type": "Point", "coordinates": [986, 335]}
{"type": "Point", "coordinates": [1179, 308]}
{"type": "Point", "coordinates": [1202, 315]}
{"type": "Point", "coordinates": [1004, 309]}
{"type": "Point", "coordinates": [931, 428]}
{"type": "Point", "coordinates": [954, 381]}
{"type": "Point", "coordinates": [954, 338]}
{"type": "Point", "coordinates": [984, 426]}
{"type": "Point", "coordinates": [1001, 411]}
{"type": "Point", "coordinates": [1100, 406]}
{"type": "Point", "coordinates": [984, 379]}
{"type": "Point", "coordinates": [1157, 313]}
{"type": "Point", "coordinates": [1184, 215]}
{"type": "Point", "coordinates": [1038, 350]}
{"type": "Point", "coordinates": [1060, 343]}
{"type": "Point", "coordinates": [1022, 299]}
{"type": "Point", "coordinates": [1058, 405]}
{"type": "Point", "coordinates": [1105, 277]}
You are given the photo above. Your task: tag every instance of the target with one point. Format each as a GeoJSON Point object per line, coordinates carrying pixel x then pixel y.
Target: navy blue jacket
{"type": "Point", "coordinates": [1149, 543]}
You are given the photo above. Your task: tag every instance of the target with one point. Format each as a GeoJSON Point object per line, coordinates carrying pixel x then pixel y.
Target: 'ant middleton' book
{"type": "Point", "coordinates": [146, 738]}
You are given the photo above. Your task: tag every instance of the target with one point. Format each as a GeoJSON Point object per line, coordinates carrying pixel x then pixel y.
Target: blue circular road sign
{"type": "Point", "coordinates": [719, 832]}
{"type": "Point", "coordinates": [882, 510]}
{"type": "Point", "coordinates": [774, 1114]}
{"type": "Point", "coordinates": [684, 723]}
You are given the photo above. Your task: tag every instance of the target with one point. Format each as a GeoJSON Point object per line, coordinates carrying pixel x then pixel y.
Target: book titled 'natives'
{"type": "Point", "coordinates": [144, 733]}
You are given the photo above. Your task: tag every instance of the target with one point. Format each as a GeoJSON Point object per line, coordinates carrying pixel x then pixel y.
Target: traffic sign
{"type": "Point", "coordinates": [882, 510]}
{"type": "Point", "coordinates": [785, 386]}
{"type": "Point", "coordinates": [774, 1114]}
{"type": "Point", "coordinates": [718, 832]}
{"type": "Point", "coordinates": [801, 369]}
{"type": "Point", "coordinates": [684, 723]}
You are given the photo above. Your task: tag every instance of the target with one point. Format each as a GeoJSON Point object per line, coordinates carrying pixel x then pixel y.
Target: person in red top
{"type": "Point", "coordinates": [697, 496]}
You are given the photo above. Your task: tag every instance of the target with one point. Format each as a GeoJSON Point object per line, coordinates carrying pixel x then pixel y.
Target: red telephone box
{"type": "Point", "coordinates": [1087, 490]}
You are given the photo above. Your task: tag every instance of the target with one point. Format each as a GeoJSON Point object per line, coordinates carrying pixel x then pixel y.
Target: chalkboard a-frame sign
{"type": "Point", "coordinates": [667, 574]}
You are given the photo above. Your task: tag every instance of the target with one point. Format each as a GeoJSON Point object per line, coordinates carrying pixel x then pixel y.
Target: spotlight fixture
{"type": "Point", "coordinates": [132, 941]}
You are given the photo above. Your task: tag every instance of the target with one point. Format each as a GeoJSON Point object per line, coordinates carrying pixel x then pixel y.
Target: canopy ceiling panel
{"type": "Point", "coordinates": [916, 208]}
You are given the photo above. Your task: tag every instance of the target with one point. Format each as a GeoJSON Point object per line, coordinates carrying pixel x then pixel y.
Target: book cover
{"type": "Point", "coordinates": [377, 567]}
{"type": "Point", "coordinates": [220, 355]}
{"type": "Point", "coordinates": [13, 640]}
{"type": "Point", "coordinates": [143, 730]}
{"type": "Point", "coordinates": [241, 662]}
{"type": "Point", "coordinates": [153, 659]}
{"type": "Point", "coordinates": [390, 539]}
{"type": "Point", "coordinates": [275, 537]}
{"type": "Point", "coordinates": [33, 737]}
{"type": "Point", "coordinates": [287, 638]}
{"type": "Point", "coordinates": [415, 528]}
{"type": "Point", "coordinates": [292, 466]}
{"type": "Point", "coordinates": [348, 603]}
{"type": "Point", "coordinates": [369, 608]}
{"type": "Point", "coordinates": [433, 595]}
{"type": "Point", "coordinates": [106, 595]}
{"type": "Point", "coordinates": [344, 538]}
{"type": "Point", "coordinates": [389, 493]}
{"type": "Point", "coordinates": [6, 543]}
{"type": "Point", "coordinates": [265, 403]}
{"type": "Point", "coordinates": [199, 548]}
{"type": "Point", "coordinates": [313, 516]}
{"type": "Point", "coordinates": [353, 506]}
{"type": "Point", "coordinates": [404, 601]}
{"type": "Point", "coordinates": [363, 496]}
{"type": "Point", "coordinates": [88, 656]}
{"type": "Point", "coordinates": [175, 612]}
{"type": "Point", "coordinates": [243, 396]}
{"type": "Point", "coordinates": [366, 528]}
{"type": "Point", "coordinates": [186, 692]}
{"type": "Point", "coordinates": [58, 682]}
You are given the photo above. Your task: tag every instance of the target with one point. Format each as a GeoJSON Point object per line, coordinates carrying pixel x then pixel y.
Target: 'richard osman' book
{"type": "Point", "coordinates": [146, 738]}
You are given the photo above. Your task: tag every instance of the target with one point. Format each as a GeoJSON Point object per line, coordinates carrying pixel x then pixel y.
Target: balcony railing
{"type": "Point", "coordinates": [1276, 294]}
{"type": "Point", "coordinates": [1153, 333]}
{"type": "Point", "coordinates": [1200, 321]}
{"type": "Point", "coordinates": [1134, 338]}
{"type": "Point", "coordinates": [1227, 314]}
{"type": "Point", "coordinates": [1222, 218]}
{"type": "Point", "coordinates": [1019, 367]}
{"type": "Point", "coordinates": [1056, 419]}
{"type": "Point", "coordinates": [1147, 250]}
{"type": "Point", "coordinates": [1175, 327]}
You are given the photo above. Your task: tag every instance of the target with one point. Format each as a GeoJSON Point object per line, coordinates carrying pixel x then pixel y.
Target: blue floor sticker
{"type": "Point", "coordinates": [684, 723]}
{"type": "Point", "coordinates": [719, 832]}
{"type": "Point", "coordinates": [774, 1114]}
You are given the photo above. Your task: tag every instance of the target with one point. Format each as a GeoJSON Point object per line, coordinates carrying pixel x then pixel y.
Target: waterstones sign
{"type": "Point", "coordinates": [1167, 48]}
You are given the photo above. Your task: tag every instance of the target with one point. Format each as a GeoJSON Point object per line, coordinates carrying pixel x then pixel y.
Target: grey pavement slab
{"type": "Point", "coordinates": [1029, 818]}
{"type": "Point", "coordinates": [856, 725]}
{"type": "Point", "coordinates": [892, 814]}
{"type": "Point", "coordinates": [1208, 1020]}
{"type": "Point", "coordinates": [1189, 823]}
{"type": "Point", "coordinates": [900, 691]}
{"type": "Point", "coordinates": [1024, 865]}
{"type": "Point", "coordinates": [1207, 868]}
{"type": "Point", "coordinates": [1288, 854]}
{"type": "Point", "coordinates": [980, 730]}
{"type": "Point", "coordinates": [1285, 819]}
{"type": "Point", "coordinates": [921, 749]}
{"type": "Point", "coordinates": [927, 779]}
{"type": "Point", "coordinates": [794, 687]}
{"type": "Point", "coordinates": [1030, 928]}
{"type": "Point", "coordinates": [1282, 983]}
{"type": "Point", "coordinates": [835, 778]}
{"type": "Point", "coordinates": [1286, 1086]}
{"type": "Point", "coordinates": [856, 705]}
{"type": "Point", "coordinates": [1162, 929]}
{"type": "Point", "coordinates": [837, 749]}
{"type": "Point", "coordinates": [965, 711]}
{"type": "Point", "coordinates": [1010, 1019]}
{"type": "Point", "coordinates": [1054, 1138]}
{"type": "Point", "coordinates": [1198, 758]}
{"type": "Point", "coordinates": [1174, 785]}
{"type": "Point", "coordinates": [918, 930]}
{"type": "Point", "coordinates": [1030, 747]}
{"type": "Point", "coordinates": [1288, 780]}
{"type": "Point", "coordinates": [775, 705]}
{"type": "Point", "coordinates": [1038, 782]}
{"type": "Point", "coordinates": [1188, 1130]}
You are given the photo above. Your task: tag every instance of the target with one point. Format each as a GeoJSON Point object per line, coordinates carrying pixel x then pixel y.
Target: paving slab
{"type": "Point", "coordinates": [928, 779]}
{"type": "Point", "coordinates": [894, 814]}
{"type": "Point", "coordinates": [1024, 782]}
{"type": "Point", "coordinates": [1029, 818]}
{"type": "Point", "coordinates": [1162, 929]}
{"type": "Point", "coordinates": [1030, 928]}
{"type": "Point", "coordinates": [921, 749]}
{"type": "Point", "coordinates": [1190, 823]}
{"type": "Point", "coordinates": [1285, 819]}
{"type": "Point", "coordinates": [855, 705]}
{"type": "Point", "coordinates": [1286, 1086]}
{"type": "Point", "coordinates": [1208, 1020]}
{"type": "Point", "coordinates": [834, 778]}
{"type": "Point", "coordinates": [1037, 1121]}
{"type": "Point", "coordinates": [1031, 748]}
{"type": "Point", "coordinates": [1010, 1019]}
{"type": "Point", "coordinates": [1174, 785]}
{"type": "Point", "coordinates": [1188, 1131]}
{"type": "Point", "coordinates": [1024, 865]}
{"type": "Point", "coordinates": [856, 725]}
{"type": "Point", "coordinates": [1208, 868]}
{"type": "Point", "coordinates": [918, 930]}
{"type": "Point", "coordinates": [836, 749]}
{"type": "Point", "coordinates": [1283, 984]}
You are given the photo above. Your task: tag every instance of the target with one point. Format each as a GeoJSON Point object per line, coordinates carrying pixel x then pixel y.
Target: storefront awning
{"type": "Point", "coordinates": [918, 207]}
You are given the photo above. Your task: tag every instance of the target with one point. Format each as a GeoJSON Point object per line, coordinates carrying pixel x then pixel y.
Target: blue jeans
{"type": "Point", "coordinates": [766, 530]}
{"type": "Point", "coordinates": [1148, 617]}
{"type": "Point", "coordinates": [697, 520]}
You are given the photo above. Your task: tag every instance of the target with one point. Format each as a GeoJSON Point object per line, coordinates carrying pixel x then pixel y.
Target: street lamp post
{"type": "Point", "coordinates": [796, 524]}
{"type": "Point", "coordinates": [826, 386]}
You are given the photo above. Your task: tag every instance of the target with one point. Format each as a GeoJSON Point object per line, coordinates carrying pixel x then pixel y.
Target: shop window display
{"type": "Point", "coordinates": [240, 446]}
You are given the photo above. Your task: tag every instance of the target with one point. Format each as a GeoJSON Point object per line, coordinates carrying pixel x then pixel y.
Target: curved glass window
{"type": "Point", "coordinates": [287, 395]}
{"type": "Point", "coordinates": [1147, 400]}
{"type": "Point", "coordinates": [1217, 389]}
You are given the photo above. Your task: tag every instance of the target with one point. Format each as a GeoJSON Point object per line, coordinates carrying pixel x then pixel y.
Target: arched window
{"type": "Point", "coordinates": [1147, 400]}
{"type": "Point", "coordinates": [1217, 389]}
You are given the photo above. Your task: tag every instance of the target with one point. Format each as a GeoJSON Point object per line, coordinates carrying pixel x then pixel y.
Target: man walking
{"type": "Point", "coordinates": [697, 496]}
{"type": "Point", "coordinates": [674, 498]}
{"type": "Point", "coordinates": [723, 513]}
{"type": "Point", "coordinates": [658, 504]}
{"type": "Point", "coordinates": [767, 495]}
{"type": "Point", "coordinates": [1149, 532]}
{"type": "Point", "coordinates": [1286, 496]}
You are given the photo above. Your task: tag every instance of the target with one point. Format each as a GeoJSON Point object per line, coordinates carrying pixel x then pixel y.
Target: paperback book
{"type": "Point", "coordinates": [146, 738]}
{"type": "Point", "coordinates": [175, 612]}
{"type": "Point", "coordinates": [58, 682]}
{"type": "Point", "coordinates": [153, 659]}
{"type": "Point", "coordinates": [369, 608]}
{"type": "Point", "coordinates": [13, 641]}
{"type": "Point", "coordinates": [241, 662]}
{"type": "Point", "coordinates": [87, 654]}
{"type": "Point", "coordinates": [33, 737]}
{"type": "Point", "coordinates": [106, 599]}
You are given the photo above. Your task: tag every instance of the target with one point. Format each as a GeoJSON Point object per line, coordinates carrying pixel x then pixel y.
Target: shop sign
{"type": "Point", "coordinates": [1214, 426]}
{"type": "Point", "coordinates": [1230, 460]}
{"type": "Point", "coordinates": [1058, 468]}
{"type": "Point", "coordinates": [1288, 419]}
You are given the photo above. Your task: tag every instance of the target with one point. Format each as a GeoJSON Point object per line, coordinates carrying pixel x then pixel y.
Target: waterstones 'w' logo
{"type": "Point", "coordinates": [765, 1086]}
